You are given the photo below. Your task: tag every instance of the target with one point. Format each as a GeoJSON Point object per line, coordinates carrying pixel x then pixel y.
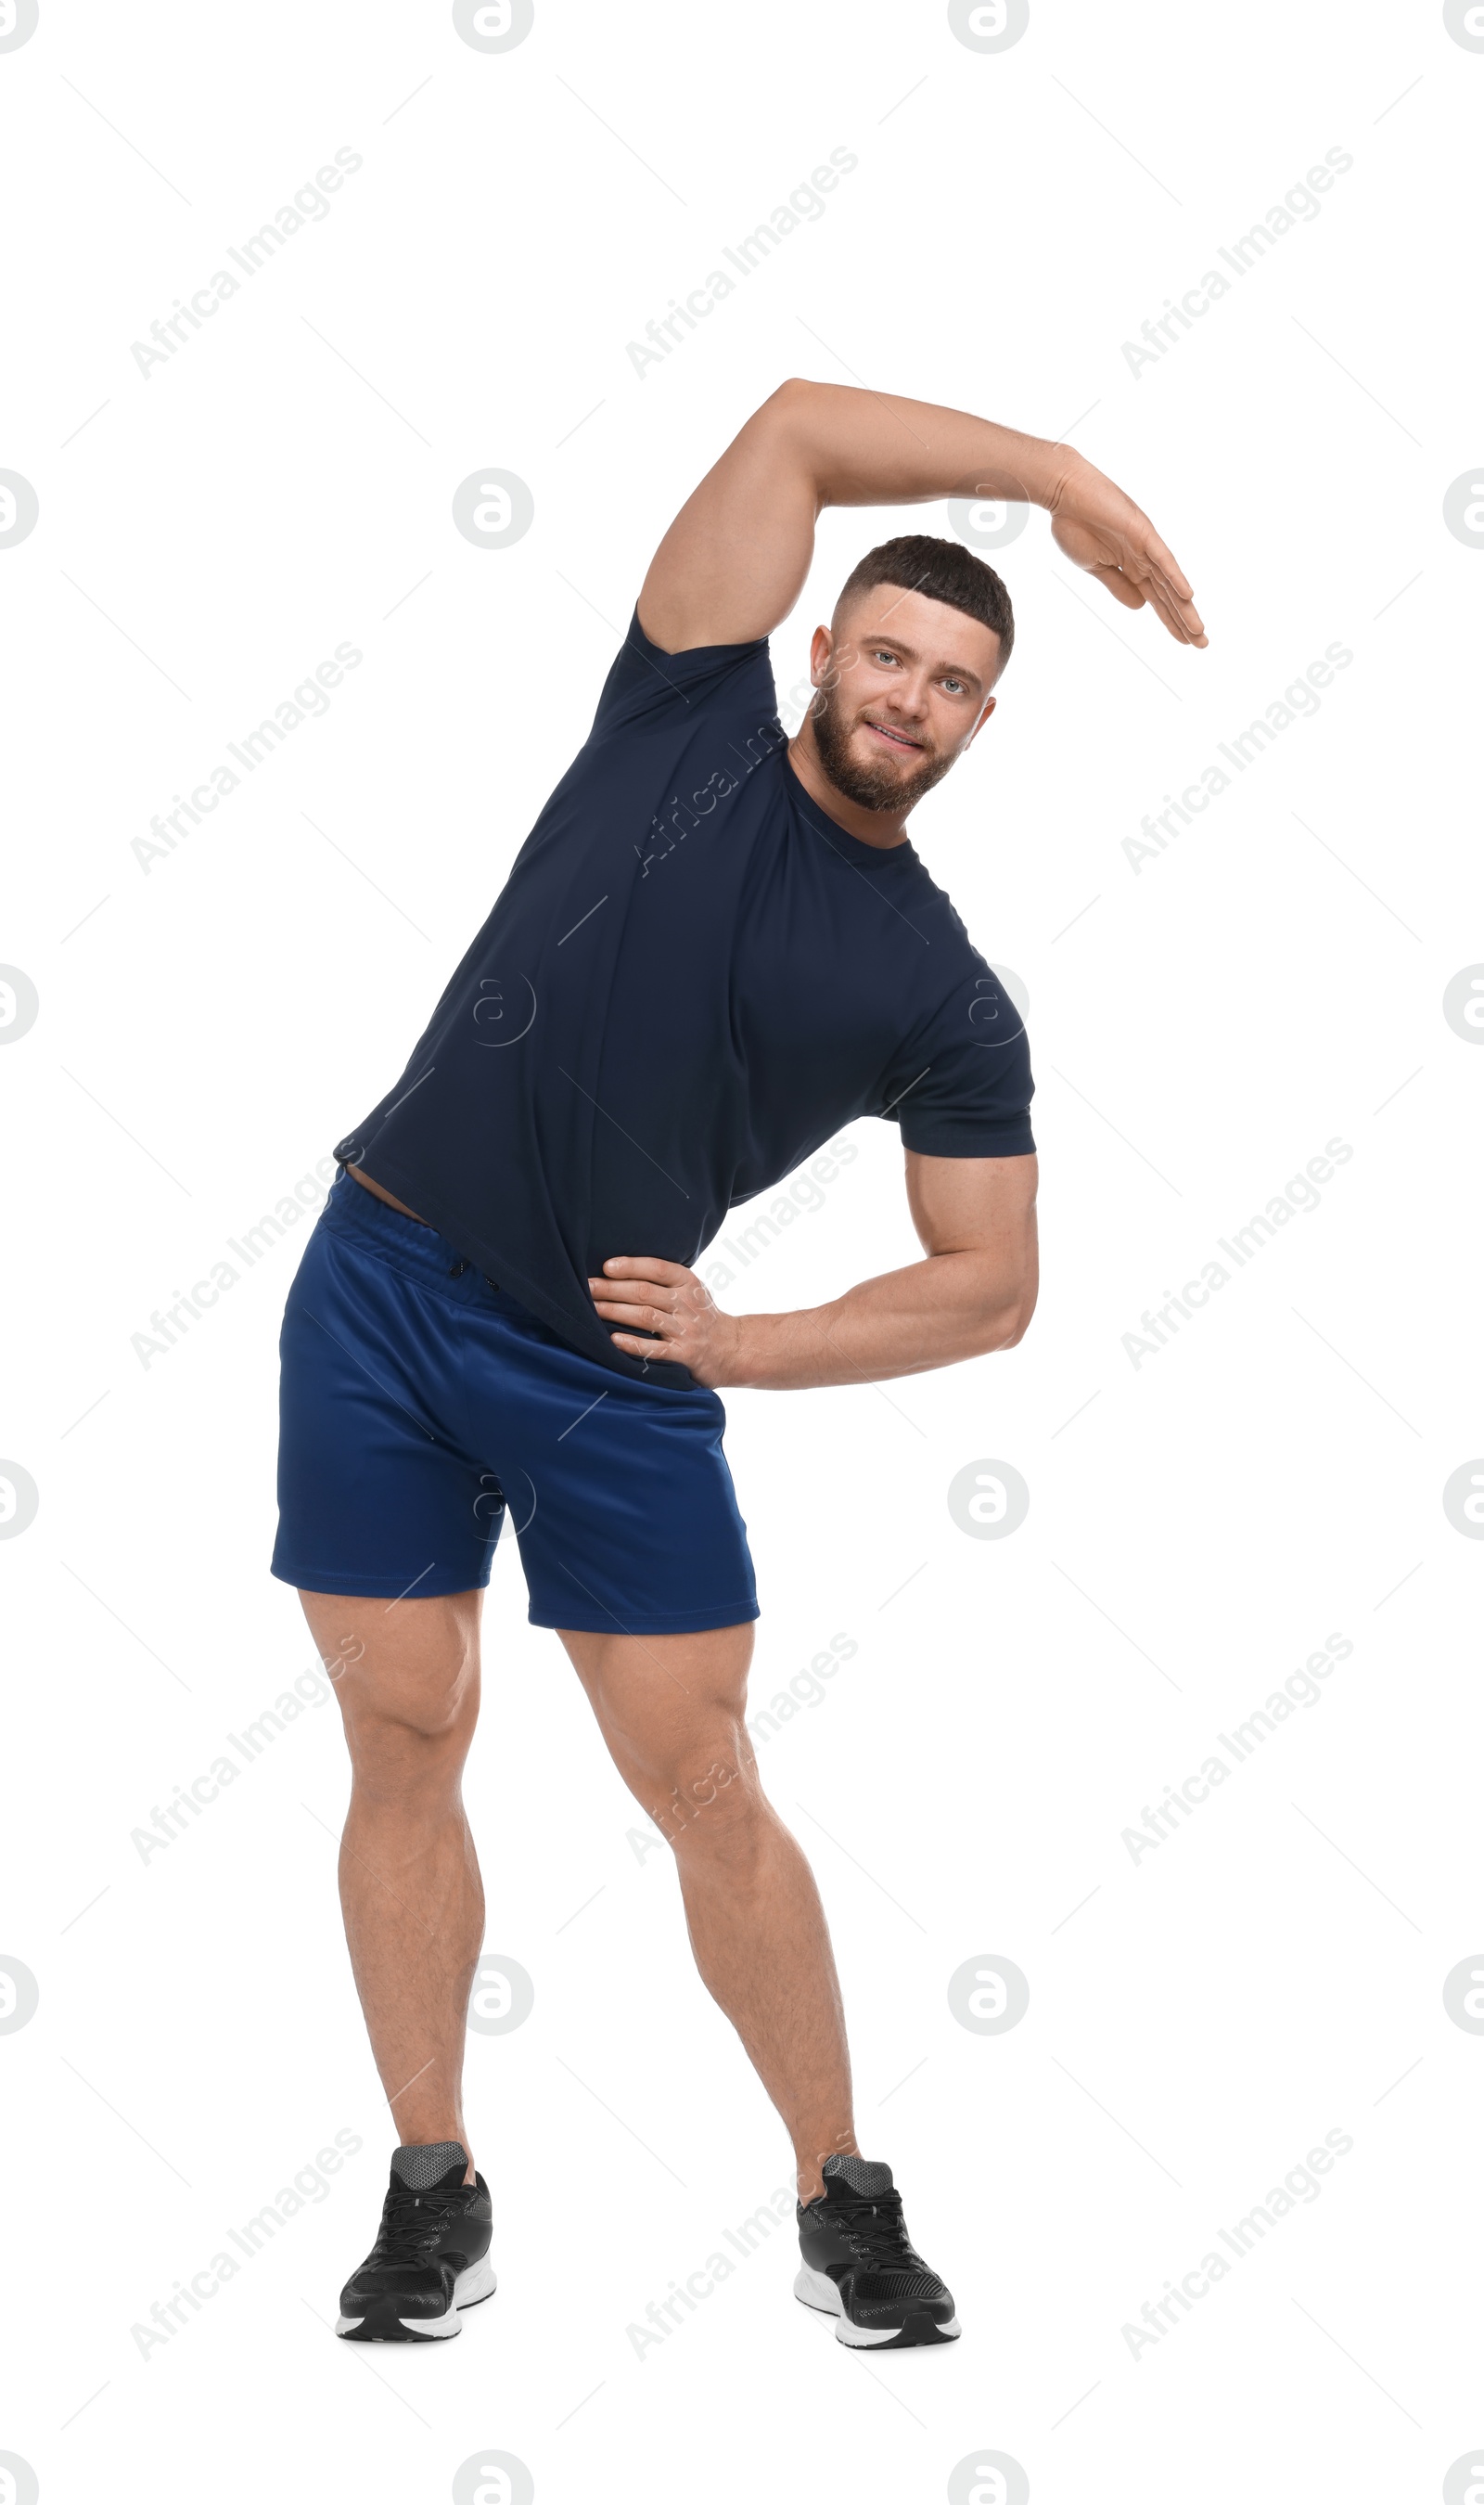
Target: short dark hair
{"type": "Point", "coordinates": [941, 570]}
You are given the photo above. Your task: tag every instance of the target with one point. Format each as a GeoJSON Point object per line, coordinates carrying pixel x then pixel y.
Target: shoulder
{"type": "Point", "coordinates": [954, 959]}
{"type": "Point", "coordinates": [936, 899]}
{"type": "Point", "coordinates": [648, 689]}
{"type": "Point", "coordinates": [971, 999]}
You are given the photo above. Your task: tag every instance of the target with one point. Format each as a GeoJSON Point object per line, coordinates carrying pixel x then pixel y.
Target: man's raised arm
{"type": "Point", "coordinates": [735, 559]}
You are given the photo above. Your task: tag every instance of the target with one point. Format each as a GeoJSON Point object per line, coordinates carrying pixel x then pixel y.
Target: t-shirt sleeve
{"type": "Point", "coordinates": [648, 690]}
{"type": "Point", "coordinates": [962, 1087]}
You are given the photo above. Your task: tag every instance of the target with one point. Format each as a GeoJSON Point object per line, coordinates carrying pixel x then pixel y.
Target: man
{"type": "Point", "coordinates": [713, 949]}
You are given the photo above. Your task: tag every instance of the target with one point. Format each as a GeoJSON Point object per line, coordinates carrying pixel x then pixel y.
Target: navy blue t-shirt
{"type": "Point", "coordinates": [690, 981]}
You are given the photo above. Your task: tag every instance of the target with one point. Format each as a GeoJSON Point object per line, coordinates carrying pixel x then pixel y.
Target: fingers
{"type": "Point", "coordinates": [664, 1274]}
{"type": "Point", "coordinates": [648, 1295]}
{"type": "Point", "coordinates": [641, 1348]}
{"type": "Point", "coordinates": [1179, 616]}
{"type": "Point", "coordinates": [1114, 516]}
{"type": "Point", "coordinates": [650, 1317]}
{"type": "Point", "coordinates": [1114, 580]}
{"type": "Point", "coordinates": [1152, 548]}
{"type": "Point", "coordinates": [1119, 544]}
{"type": "Point", "coordinates": [1165, 587]}
{"type": "Point", "coordinates": [663, 1302]}
{"type": "Point", "coordinates": [637, 1292]}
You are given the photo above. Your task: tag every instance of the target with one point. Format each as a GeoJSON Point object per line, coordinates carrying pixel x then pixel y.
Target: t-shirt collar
{"type": "Point", "coordinates": [861, 855]}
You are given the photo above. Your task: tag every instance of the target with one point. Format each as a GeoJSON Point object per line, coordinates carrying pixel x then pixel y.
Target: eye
{"type": "Point", "coordinates": [955, 687]}
{"type": "Point", "coordinates": [889, 657]}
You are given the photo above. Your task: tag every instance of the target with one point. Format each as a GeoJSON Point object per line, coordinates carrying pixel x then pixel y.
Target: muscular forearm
{"type": "Point", "coordinates": [933, 1313]}
{"type": "Point", "coordinates": [866, 448]}
{"type": "Point", "coordinates": [976, 1292]}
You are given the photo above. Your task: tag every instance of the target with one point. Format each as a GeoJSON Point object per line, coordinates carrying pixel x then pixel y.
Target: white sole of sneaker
{"type": "Point", "coordinates": [814, 2288]}
{"type": "Point", "coordinates": [471, 2287]}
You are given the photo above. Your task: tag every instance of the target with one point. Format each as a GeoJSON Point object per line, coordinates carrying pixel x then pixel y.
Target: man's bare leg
{"type": "Point", "coordinates": [670, 1708]}
{"type": "Point", "coordinates": [407, 1677]}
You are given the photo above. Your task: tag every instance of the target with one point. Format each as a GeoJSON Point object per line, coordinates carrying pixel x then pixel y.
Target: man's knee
{"type": "Point", "coordinates": [415, 1712]}
{"type": "Point", "coordinates": [408, 1671]}
{"type": "Point", "coordinates": [708, 1800]}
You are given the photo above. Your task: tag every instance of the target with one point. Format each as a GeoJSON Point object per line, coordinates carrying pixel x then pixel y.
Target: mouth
{"type": "Point", "coordinates": [898, 739]}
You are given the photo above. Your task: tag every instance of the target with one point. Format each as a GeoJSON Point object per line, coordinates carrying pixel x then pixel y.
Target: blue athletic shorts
{"type": "Point", "coordinates": [418, 1402]}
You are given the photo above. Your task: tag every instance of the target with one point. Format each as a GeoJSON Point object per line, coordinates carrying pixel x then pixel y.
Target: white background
{"type": "Point", "coordinates": [1201, 1026]}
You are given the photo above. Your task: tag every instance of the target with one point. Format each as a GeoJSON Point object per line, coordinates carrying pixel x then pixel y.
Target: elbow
{"type": "Point", "coordinates": [1025, 1290]}
{"type": "Point", "coordinates": [792, 410]}
{"type": "Point", "coordinates": [1005, 1323]}
{"type": "Point", "coordinates": [1024, 1312]}
{"type": "Point", "coordinates": [794, 392]}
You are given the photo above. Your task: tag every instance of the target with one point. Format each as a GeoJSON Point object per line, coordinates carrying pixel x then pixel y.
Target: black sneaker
{"type": "Point", "coordinates": [859, 2265]}
{"type": "Point", "coordinates": [433, 2255]}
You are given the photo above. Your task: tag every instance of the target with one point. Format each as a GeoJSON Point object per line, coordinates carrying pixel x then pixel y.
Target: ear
{"type": "Point", "coordinates": [990, 704]}
{"type": "Point", "coordinates": [820, 653]}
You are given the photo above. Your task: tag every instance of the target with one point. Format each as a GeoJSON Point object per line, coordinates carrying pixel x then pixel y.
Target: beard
{"type": "Point", "coordinates": [879, 783]}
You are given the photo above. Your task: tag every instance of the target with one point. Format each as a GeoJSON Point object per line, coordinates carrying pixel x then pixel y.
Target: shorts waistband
{"type": "Point", "coordinates": [413, 1246]}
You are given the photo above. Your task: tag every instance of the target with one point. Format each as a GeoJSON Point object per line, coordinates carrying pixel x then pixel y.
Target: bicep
{"type": "Point", "coordinates": [977, 1204]}
{"type": "Point", "coordinates": [735, 559]}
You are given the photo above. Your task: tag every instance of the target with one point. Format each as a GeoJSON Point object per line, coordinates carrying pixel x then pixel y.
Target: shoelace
{"type": "Point", "coordinates": [876, 2228]}
{"type": "Point", "coordinates": [412, 2221]}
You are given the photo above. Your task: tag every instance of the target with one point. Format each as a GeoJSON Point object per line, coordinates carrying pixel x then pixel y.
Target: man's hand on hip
{"type": "Point", "coordinates": [976, 1218]}
{"type": "Point", "coordinates": [664, 1297]}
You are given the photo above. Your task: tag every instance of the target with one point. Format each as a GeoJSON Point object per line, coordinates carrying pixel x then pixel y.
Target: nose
{"type": "Point", "coordinates": [909, 697]}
